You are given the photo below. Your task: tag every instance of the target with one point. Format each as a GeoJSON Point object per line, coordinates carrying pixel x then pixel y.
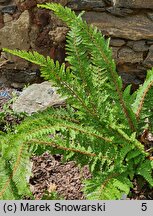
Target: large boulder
{"type": "Point", "coordinates": [38, 97]}
{"type": "Point", "coordinates": [15, 33]}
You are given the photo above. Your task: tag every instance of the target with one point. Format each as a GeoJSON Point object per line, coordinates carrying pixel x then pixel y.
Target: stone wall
{"type": "Point", "coordinates": [129, 24]}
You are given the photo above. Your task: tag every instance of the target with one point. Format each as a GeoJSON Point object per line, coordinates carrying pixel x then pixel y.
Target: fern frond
{"type": "Point", "coordinates": [142, 104]}
{"type": "Point", "coordinates": [76, 149]}
{"type": "Point", "coordinates": [64, 13]}
{"type": "Point", "coordinates": [33, 57]}
{"type": "Point", "coordinates": [112, 188]}
{"type": "Point", "coordinates": [13, 182]}
{"type": "Point", "coordinates": [145, 170]}
{"type": "Point", "coordinates": [101, 55]}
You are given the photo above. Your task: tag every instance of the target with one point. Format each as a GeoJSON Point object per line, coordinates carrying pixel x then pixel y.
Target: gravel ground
{"type": "Point", "coordinates": [49, 174]}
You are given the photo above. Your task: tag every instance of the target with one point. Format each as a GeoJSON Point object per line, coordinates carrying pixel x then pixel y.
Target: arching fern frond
{"type": "Point", "coordinates": [101, 56]}
{"type": "Point", "coordinates": [33, 57]}
{"type": "Point", "coordinates": [143, 104]}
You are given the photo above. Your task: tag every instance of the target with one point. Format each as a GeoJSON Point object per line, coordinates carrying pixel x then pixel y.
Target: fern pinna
{"type": "Point", "coordinates": [100, 126]}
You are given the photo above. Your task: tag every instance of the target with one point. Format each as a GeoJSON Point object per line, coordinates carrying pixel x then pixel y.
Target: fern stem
{"type": "Point", "coordinates": [62, 147]}
{"type": "Point", "coordinates": [128, 139]}
{"type": "Point", "coordinates": [73, 128]}
{"type": "Point", "coordinates": [68, 119]}
{"type": "Point", "coordinates": [86, 132]}
{"type": "Point", "coordinates": [61, 82]}
{"type": "Point", "coordinates": [80, 100]}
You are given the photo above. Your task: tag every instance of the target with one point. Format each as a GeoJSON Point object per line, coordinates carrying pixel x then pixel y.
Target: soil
{"type": "Point", "coordinates": [141, 191]}
{"type": "Point", "coordinates": [50, 175]}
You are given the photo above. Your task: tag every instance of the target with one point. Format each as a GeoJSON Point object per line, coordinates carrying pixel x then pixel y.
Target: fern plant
{"type": "Point", "coordinates": [101, 125]}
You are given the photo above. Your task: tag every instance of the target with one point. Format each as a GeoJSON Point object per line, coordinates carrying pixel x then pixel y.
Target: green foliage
{"type": "Point", "coordinates": [99, 126]}
{"type": "Point", "coordinates": [8, 118]}
{"type": "Point", "coordinates": [142, 105]}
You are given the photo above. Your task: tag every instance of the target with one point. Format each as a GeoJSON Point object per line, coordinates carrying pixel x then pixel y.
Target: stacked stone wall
{"type": "Point", "coordinates": [128, 23]}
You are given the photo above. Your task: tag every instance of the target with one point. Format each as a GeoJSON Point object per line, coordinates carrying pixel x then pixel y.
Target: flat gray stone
{"type": "Point", "coordinates": [37, 97]}
{"type": "Point", "coordinates": [133, 3]}
{"type": "Point", "coordinates": [116, 42]}
{"type": "Point", "coordinates": [127, 55]}
{"type": "Point", "coordinates": [138, 46]}
{"type": "Point", "coordinates": [87, 5]}
{"type": "Point", "coordinates": [131, 27]}
{"type": "Point", "coordinates": [119, 11]}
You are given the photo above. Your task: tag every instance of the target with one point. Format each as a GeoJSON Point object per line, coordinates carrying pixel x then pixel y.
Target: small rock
{"type": "Point", "coordinates": [87, 5]}
{"type": "Point", "coordinates": [37, 97]}
{"type": "Point", "coordinates": [117, 42]}
{"type": "Point", "coordinates": [124, 197]}
{"type": "Point", "coordinates": [43, 40]}
{"type": "Point", "coordinates": [10, 9]}
{"type": "Point", "coordinates": [148, 62]}
{"type": "Point", "coordinates": [126, 54]}
{"type": "Point", "coordinates": [4, 94]}
{"type": "Point", "coordinates": [17, 85]}
{"type": "Point", "coordinates": [14, 35]}
{"type": "Point", "coordinates": [119, 11]}
{"type": "Point", "coordinates": [133, 3]}
{"type": "Point", "coordinates": [138, 46]}
{"type": "Point", "coordinates": [129, 78]}
{"type": "Point", "coordinates": [149, 42]}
